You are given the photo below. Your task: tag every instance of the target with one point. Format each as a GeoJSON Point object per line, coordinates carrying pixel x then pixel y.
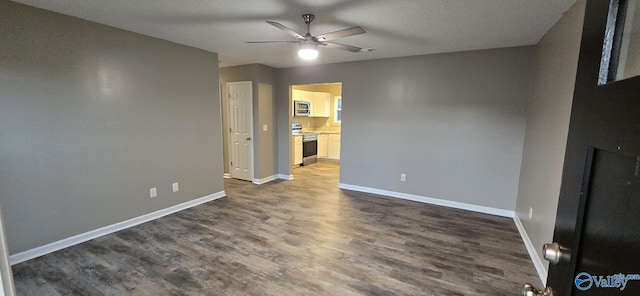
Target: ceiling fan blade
{"type": "Point", "coordinates": [341, 46]}
{"type": "Point", "coordinates": [287, 30]}
{"type": "Point", "coordinates": [271, 42]}
{"type": "Point", "coordinates": [341, 33]}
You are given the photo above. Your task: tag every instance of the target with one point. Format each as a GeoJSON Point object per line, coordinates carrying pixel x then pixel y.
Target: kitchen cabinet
{"type": "Point", "coordinates": [297, 155]}
{"type": "Point", "coordinates": [320, 104]}
{"type": "Point", "coordinates": [333, 148]}
{"type": "Point", "coordinates": [323, 146]}
{"type": "Point", "coordinates": [302, 95]}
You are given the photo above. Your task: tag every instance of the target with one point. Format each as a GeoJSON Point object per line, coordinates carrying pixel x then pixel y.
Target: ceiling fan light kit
{"type": "Point", "coordinates": [308, 51]}
{"type": "Point", "coordinates": [308, 44]}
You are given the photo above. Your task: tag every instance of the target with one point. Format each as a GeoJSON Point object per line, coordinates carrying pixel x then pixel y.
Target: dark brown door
{"type": "Point", "coordinates": [598, 218]}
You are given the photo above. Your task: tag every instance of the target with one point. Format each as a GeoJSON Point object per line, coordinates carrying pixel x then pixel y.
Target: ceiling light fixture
{"type": "Point", "coordinates": [308, 51]}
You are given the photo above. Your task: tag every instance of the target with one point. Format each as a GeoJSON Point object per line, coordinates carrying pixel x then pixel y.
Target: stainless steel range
{"type": "Point", "coordinates": [309, 148]}
{"type": "Point", "coordinates": [309, 144]}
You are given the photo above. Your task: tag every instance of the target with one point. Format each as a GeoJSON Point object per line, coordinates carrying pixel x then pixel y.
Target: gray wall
{"type": "Point", "coordinates": [549, 109]}
{"type": "Point", "coordinates": [454, 123]}
{"type": "Point", "coordinates": [91, 117]}
{"type": "Point", "coordinates": [267, 148]}
{"type": "Point", "coordinates": [263, 113]}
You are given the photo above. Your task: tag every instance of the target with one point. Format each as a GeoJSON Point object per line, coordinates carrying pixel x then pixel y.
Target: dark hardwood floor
{"type": "Point", "coordinates": [299, 237]}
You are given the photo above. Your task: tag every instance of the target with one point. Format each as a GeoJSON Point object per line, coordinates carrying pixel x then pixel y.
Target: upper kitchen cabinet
{"type": "Point", "coordinates": [302, 95]}
{"type": "Point", "coordinates": [321, 104]}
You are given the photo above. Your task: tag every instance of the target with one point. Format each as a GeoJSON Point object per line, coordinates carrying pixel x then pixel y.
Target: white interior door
{"type": "Point", "coordinates": [240, 98]}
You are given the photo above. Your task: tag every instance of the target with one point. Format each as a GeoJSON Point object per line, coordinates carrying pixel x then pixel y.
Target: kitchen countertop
{"type": "Point", "coordinates": [323, 132]}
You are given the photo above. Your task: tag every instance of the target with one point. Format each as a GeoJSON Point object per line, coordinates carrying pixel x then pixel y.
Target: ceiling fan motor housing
{"type": "Point", "coordinates": [308, 18]}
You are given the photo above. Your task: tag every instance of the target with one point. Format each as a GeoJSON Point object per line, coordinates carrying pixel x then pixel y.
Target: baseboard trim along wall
{"type": "Point", "coordinates": [89, 235]}
{"type": "Point", "coordinates": [285, 177]}
{"type": "Point", "coordinates": [533, 251]}
{"type": "Point", "coordinates": [430, 200]}
{"type": "Point", "coordinates": [265, 180]}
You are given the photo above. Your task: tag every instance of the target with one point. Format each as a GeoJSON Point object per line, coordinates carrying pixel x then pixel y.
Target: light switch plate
{"type": "Point", "coordinates": [153, 192]}
{"type": "Point", "coordinates": [265, 127]}
{"type": "Point", "coordinates": [175, 187]}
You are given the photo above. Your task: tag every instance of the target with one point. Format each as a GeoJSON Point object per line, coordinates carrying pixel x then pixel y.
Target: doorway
{"type": "Point", "coordinates": [324, 120]}
{"type": "Point", "coordinates": [240, 110]}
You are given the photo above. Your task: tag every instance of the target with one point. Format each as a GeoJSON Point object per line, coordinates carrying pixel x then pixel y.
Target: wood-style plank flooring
{"type": "Point", "coordinates": [299, 237]}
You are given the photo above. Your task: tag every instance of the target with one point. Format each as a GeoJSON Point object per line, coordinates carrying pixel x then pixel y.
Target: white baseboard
{"type": "Point", "coordinates": [285, 177]}
{"type": "Point", "coordinates": [226, 176]}
{"type": "Point", "coordinates": [430, 200]}
{"type": "Point", "coordinates": [533, 251]}
{"type": "Point", "coordinates": [89, 235]}
{"type": "Point", "coordinates": [265, 180]}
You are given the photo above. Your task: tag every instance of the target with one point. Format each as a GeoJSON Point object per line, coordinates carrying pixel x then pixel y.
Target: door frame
{"type": "Point", "coordinates": [7, 286]}
{"type": "Point", "coordinates": [228, 131]}
{"type": "Point", "coordinates": [292, 117]}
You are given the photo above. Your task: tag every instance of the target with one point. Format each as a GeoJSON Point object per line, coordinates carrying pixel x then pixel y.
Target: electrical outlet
{"type": "Point", "coordinates": [175, 187]}
{"type": "Point", "coordinates": [403, 177]}
{"type": "Point", "coordinates": [530, 213]}
{"type": "Point", "coordinates": [153, 192]}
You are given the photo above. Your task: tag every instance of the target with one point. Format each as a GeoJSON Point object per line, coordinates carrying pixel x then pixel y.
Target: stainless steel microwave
{"type": "Point", "coordinates": [301, 108]}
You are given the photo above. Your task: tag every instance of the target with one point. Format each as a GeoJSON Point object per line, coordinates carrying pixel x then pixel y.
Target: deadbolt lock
{"type": "Point", "coordinates": [555, 253]}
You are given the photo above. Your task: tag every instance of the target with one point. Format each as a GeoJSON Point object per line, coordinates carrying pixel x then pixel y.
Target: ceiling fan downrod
{"type": "Point", "coordinates": [308, 18]}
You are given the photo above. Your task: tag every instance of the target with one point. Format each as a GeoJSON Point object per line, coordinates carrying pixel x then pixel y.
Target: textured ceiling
{"type": "Point", "coordinates": [394, 28]}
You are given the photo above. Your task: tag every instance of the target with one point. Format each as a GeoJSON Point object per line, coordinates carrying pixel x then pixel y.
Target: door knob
{"type": "Point", "coordinates": [529, 290]}
{"type": "Point", "coordinates": [555, 253]}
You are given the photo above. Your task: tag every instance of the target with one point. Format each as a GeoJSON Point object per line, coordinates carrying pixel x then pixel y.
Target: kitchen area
{"type": "Point", "coordinates": [316, 123]}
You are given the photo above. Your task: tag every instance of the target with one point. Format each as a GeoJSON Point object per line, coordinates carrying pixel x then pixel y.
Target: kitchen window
{"type": "Point", "coordinates": [337, 112]}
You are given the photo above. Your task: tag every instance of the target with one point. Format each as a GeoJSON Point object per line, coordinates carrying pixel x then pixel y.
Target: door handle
{"type": "Point", "coordinates": [529, 290]}
{"type": "Point", "coordinates": [555, 253]}
{"type": "Point", "coordinates": [249, 139]}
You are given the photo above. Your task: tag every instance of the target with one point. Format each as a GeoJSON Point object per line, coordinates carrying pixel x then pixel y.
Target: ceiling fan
{"type": "Point", "coordinates": [308, 44]}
